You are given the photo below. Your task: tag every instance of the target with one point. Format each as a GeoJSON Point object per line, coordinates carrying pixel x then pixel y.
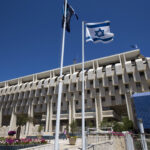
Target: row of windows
{"type": "Point", "coordinates": [130, 75]}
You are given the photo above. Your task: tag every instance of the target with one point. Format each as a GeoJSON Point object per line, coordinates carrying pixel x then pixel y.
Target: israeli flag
{"type": "Point", "coordinates": [99, 32]}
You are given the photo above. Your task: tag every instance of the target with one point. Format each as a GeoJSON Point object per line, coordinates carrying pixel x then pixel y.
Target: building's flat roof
{"type": "Point", "coordinates": [101, 61]}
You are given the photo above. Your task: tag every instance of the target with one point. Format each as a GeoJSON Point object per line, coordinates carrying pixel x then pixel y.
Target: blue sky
{"type": "Point", "coordinates": [31, 33]}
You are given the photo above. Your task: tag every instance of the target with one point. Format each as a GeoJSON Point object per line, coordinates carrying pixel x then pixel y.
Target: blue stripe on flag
{"type": "Point", "coordinates": [99, 39]}
{"type": "Point", "coordinates": [105, 40]}
{"type": "Point", "coordinates": [98, 25]}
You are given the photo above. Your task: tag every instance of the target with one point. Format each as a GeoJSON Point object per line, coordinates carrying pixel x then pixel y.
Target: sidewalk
{"type": "Point", "coordinates": [64, 144]}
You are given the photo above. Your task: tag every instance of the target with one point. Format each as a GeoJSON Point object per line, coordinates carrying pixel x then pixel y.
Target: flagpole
{"type": "Point", "coordinates": [56, 145]}
{"type": "Point", "coordinates": [83, 104]}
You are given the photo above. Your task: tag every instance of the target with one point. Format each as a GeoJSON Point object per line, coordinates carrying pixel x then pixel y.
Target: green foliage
{"type": "Point", "coordinates": [23, 119]}
{"type": "Point", "coordinates": [128, 124]}
{"type": "Point", "coordinates": [90, 124]}
{"type": "Point", "coordinates": [40, 128]}
{"type": "Point", "coordinates": [124, 125]}
{"type": "Point", "coordinates": [118, 127]}
{"type": "Point", "coordinates": [73, 127]}
{"type": "Point", "coordinates": [106, 123]}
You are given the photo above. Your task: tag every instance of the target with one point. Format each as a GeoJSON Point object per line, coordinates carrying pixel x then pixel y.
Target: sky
{"type": "Point", "coordinates": [31, 33]}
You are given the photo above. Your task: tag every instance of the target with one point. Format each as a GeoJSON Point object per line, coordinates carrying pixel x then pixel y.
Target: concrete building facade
{"type": "Point", "coordinates": [109, 83]}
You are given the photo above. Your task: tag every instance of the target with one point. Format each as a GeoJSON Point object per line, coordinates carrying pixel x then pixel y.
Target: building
{"type": "Point", "coordinates": [109, 83]}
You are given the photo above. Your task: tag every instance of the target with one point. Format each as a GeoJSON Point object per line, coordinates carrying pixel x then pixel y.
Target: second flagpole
{"type": "Point", "coordinates": [83, 97]}
{"type": "Point", "coordinates": [56, 145]}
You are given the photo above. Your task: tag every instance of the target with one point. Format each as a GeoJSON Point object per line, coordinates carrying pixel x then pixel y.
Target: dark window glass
{"type": "Point", "coordinates": [103, 99]}
{"type": "Point", "coordinates": [116, 87]}
{"type": "Point", "coordinates": [88, 91]}
{"type": "Point", "coordinates": [97, 90]}
{"type": "Point", "coordinates": [130, 76]}
{"type": "Point", "coordinates": [112, 98]}
{"type": "Point", "coordinates": [123, 96]}
{"type": "Point", "coordinates": [77, 102]}
{"type": "Point", "coordinates": [106, 89]}
{"type": "Point", "coordinates": [120, 77]}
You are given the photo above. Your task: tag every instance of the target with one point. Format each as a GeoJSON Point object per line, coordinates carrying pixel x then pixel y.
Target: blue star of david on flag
{"type": "Point", "coordinates": [99, 32]}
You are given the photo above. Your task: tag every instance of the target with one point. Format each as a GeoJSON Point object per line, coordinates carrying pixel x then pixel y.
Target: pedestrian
{"type": "Point", "coordinates": [65, 134]}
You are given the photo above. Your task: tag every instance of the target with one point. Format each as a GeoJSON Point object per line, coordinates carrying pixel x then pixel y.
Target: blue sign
{"type": "Point", "coordinates": [142, 107]}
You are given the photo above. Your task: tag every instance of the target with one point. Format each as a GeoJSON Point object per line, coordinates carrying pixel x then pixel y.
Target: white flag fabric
{"type": "Point", "coordinates": [99, 32]}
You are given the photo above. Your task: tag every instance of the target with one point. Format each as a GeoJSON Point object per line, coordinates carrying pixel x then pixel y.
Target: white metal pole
{"type": "Point", "coordinates": [143, 139]}
{"type": "Point", "coordinates": [56, 145]}
{"type": "Point", "coordinates": [83, 107]}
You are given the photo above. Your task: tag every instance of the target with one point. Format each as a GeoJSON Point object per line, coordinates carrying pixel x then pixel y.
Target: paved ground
{"type": "Point", "coordinates": [64, 144]}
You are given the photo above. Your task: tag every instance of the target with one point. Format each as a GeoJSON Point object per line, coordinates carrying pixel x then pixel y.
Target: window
{"type": "Point", "coordinates": [54, 112]}
{"type": "Point", "coordinates": [138, 85]}
{"type": "Point", "coordinates": [41, 106]}
{"type": "Point", "coordinates": [79, 93]}
{"type": "Point", "coordinates": [119, 77]}
{"type": "Point", "coordinates": [110, 79]}
{"type": "Point", "coordinates": [77, 102]}
{"type": "Point", "coordinates": [85, 101]}
{"type": "Point", "coordinates": [103, 99]}
{"type": "Point", "coordinates": [106, 89]}
{"type": "Point", "coordinates": [93, 101]}
{"type": "Point", "coordinates": [116, 88]}
{"type": "Point", "coordinates": [67, 86]}
{"type": "Point", "coordinates": [61, 103]}
{"type": "Point", "coordinates": [91, 82]}
{"type": "Point", "coordinates": [46, 90]}
{"type": "Point", "coordinates": [20, 86]}
{"type": "Point", "coordinates": [142, 74]}
{"type": "Point", "coordinates": [88, 91]}
{"type": "Point", "coordinates": [18, 108]}
{"type": "Point", "coordinates": [52, 89]}
{"type": "Point", "coordinates": [126, 86]}
{"type": "Point", "coordinates": [39, 90]}
{"type": "Point", "coordinates": [130, 76]}
{"type": "Point", "coordinates": [54, 104]}
{"type": "Point", "coordinates": [64, 95]}
{"type": "Point", "coordinates": [100, 81]}
{"type": "Point", "coordinates": [71, 94]}
{"type": "Point", "coordinates": [123, 96]}
{"type": "Point", "coordinates": [97, 90]}
{"type": "Point", "coordinates": [112, 98]}
{"type": "Point", "coordinates": [74, 85]}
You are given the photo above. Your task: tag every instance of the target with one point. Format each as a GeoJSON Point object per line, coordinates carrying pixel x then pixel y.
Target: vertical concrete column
{"type": "Point", "coordinates": [13, 120]}
{"type": "Point", "coordinates": [50, 115]}
{"type": "Point", "coordinates": [73, 110]}
{"type": "Point", "coordinates": [99, 112]}
{"type": "Point", "coordinates": [47, 116]}
{"type": "Point", "coordinates": [129, 106]}
{"type": "Point", "coordinates": [29, 125]}
{"type": "Point", "coordinates": [1, 116]}
{"type": "Point", "coordinates": [70, 114]}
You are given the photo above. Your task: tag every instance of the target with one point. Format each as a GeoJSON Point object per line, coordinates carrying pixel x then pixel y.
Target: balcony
{"type": "Point", "coordinates": [110, 114]}
{"type": "Point", "coordinates": [62, 117]}
{"type": "Point", "coordinates": [87, 115]}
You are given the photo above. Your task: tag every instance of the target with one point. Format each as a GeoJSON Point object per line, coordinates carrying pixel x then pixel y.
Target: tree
{"type": "Point", "coordinates": [22, 119]}
{"type": "Point", "coordinates": [73, 127]}
{"type": "Point", "coordinates": [128, 124]}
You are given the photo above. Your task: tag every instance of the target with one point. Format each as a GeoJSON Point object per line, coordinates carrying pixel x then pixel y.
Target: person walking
{"type": "Point", "coordinates": [65, 134]}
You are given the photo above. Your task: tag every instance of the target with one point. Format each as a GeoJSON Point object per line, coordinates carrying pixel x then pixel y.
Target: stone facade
{"type": "Point", "coordinates": [109, 83]}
